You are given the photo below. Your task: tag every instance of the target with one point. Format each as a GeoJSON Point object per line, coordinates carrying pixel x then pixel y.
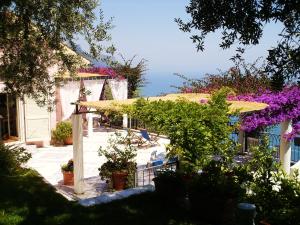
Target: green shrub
{"type": "Point", "coordinates": [63, 130]}
{"type": "Point", "coordinates": [120, 155]}
{"type": "Point", "coordinates": [12, 157]}
{"type": "Point", "coordinates": [196, 131]}
{"type": "Point", "coordinates": [275, 194]}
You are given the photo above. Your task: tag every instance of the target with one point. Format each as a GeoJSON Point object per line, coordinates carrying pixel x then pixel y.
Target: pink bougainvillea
{"type": "Point", "coordinates": [103, 71]}
{"type": "Point", "coordinates": [203, 101]}
{"type": "Point", "coordinates": [284, 105]}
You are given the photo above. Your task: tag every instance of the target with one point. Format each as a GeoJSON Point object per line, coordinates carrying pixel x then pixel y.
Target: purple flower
{"type": "Point", "coordinates": [283, 106]}
{"type": "Point", "coordinates": [203, 101]}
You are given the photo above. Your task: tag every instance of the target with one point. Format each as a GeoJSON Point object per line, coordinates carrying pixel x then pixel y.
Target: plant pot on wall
{"type": "Point", "coordinates": [68, 177]}
{"type": "Point", "coordinates": [119, 180]}
{"type": "Point", "coordinates": [68, 141]}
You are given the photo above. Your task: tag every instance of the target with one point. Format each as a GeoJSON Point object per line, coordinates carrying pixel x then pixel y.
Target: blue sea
{"type": "Point", "coordinates": [159, 83]}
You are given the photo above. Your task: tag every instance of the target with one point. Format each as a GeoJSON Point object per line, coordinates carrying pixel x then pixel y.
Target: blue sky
{"type": "Point", "coordinates": [147, 29]}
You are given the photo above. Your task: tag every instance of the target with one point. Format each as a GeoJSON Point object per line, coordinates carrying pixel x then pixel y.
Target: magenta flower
{"type": "Point", "coordinates": [284, 105]}
{"type": "Point", "coordinates": [203, 101]}
{"type": "Point", "coordinates": [103, 71]}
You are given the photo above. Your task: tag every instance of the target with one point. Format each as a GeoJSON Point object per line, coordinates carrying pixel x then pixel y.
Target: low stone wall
{"type": "Point", "coordinates": [109, 197]}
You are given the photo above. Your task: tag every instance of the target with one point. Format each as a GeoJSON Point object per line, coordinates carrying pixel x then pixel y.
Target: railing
{"type": "Point", "coordinates": [274, 142]}
{"type": "Point", "coordinates": [296, 149]}
{"type": "Point", "coordinates": [144, 176]}
{"type": "Point", "coordinates": [135, 124]}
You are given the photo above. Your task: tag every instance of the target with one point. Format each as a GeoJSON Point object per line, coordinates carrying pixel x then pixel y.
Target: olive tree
{"type": "Point", "coordinates": [34, 35]}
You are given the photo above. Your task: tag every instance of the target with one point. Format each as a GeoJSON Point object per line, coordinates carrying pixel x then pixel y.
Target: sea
{"type": "Point", "coordinates": [159, 83]}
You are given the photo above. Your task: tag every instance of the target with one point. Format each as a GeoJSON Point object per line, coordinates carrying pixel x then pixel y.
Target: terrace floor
{"type": "Point", "coordinates": [48, 160]}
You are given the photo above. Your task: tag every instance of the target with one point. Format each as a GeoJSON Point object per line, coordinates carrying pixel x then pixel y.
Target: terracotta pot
{"type": "Point", "coordinates": [68, 177]}
{"type": "Point", "coordinates": [119, 180]}
{"type": "Point", "coordinates": [68, 141]}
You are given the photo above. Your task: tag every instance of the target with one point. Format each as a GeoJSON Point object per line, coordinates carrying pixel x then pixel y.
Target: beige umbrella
{"type": "Point", "coordinates": [116, 105]}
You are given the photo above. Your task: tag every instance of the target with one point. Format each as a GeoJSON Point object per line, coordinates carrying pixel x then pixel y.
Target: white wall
{"type": "Point", "coordinates": [37, 121]}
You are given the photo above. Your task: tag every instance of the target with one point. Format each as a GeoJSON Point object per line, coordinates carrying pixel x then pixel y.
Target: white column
{"type": "Point", "coordinates": [125, 120]}
{"type": "Point", "coordinates": [90, 124]}
{"type": "Point", "coordinates": [78, 153]}
{"type": "Point", "coordinates": [21, 121]}
{"type": "Point", "coordinates": [285, 146]}
{"type": "Point", "coordinates": [241, 140]}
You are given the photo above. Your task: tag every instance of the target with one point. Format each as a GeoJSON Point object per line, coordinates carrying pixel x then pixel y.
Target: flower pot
{"type": "Point", "coordinates": [119, 180]}
{"type": "Point", "coordinates": [68, 141]}
{"type": "Point", "coordinates": [68, 177]}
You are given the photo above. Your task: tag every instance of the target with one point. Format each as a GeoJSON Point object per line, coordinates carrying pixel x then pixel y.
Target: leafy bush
{"type": "Point", "coordinates": [196, 131]}
{"type": "Point", "coordinates": [133, 73]}
{"type": "Point", "coordinates": [12, 158]}
{"type": "Point", "coordinates": [276, 195]}
{"type": "Point", "coordinates": [115, 119]}
{"type": "Point", "coordinates": [120, 155]}
{"type": "Point", "coordinates": [63, 130]}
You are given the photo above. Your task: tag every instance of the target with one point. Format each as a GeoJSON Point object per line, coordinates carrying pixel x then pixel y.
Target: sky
{"type": "Point", "coordinates": [147, 29]}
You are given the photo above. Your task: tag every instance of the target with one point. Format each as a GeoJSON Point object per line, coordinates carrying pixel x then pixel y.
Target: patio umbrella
{"type": "Point", "coordinates": [116, 105]}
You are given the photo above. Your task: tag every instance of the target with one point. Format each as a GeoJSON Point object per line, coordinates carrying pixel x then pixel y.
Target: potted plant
{"type": "Point", "coordinates": [63, 133]}
{"type": "Point", "coordinates": [67, 170]}
{"type": "Point", "coordinates": [120, 167]}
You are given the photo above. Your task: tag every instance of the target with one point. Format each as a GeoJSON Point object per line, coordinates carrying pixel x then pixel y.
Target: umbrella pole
{"type": "Point", "coordinates": [78, 152]}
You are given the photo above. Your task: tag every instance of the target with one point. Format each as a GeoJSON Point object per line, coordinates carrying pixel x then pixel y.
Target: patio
{"type": "Point", "coordinates": [48, 160]}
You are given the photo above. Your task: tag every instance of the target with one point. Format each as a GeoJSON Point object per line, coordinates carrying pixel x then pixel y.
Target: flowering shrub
{"type": "Point", "coordinates": [242, 78]}
{"type": "Point", "coordinates": [102, 70]}
{"type": "Point", "coordinates": [284, 105]}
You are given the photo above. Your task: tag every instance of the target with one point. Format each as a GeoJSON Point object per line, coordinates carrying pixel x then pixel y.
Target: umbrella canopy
{"type": "Point", "coordinates": [81, 75]}
{"type": "Point", "coordinates": [116, 105]}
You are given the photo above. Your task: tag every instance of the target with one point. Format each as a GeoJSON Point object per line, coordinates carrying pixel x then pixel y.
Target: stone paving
{"type": "Point", "coordinates": [48, 160]}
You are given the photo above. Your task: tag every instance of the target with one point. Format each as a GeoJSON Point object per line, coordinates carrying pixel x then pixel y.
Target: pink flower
{"type": "Point", "coordinates": [102, 71]}
{"type": "Point", "coordinates": [203, 101]}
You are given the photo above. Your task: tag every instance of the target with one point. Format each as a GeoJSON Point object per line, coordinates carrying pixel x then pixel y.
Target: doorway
{"type": "Point", "coordinates": [8, 118]}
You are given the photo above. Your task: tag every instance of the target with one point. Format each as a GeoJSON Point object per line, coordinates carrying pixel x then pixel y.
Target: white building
{"type": "Point", "coordinates": [26, 122]}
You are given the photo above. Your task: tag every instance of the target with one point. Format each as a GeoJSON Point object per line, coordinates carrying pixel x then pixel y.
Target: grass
{"type": "Point", "coordinates": [27, 199]}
